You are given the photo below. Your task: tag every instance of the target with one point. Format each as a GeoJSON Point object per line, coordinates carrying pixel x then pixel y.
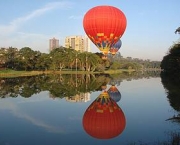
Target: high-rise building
{"type": "Point", "coordinates": [87, 44]}
{"type": "Point", "coordinates": [53, 43]}
{"type": "Point", "coordinates": [78, 43]}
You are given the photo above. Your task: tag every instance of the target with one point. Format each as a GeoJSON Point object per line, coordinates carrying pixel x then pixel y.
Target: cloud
{"type": "Point", "coordinates": [16, 111]}
{"type": "Point", "coordinates": [16, 23]}
{"type": "Point", "coordinates": [10, 34]}
{"type": "Point", "coordinates": [75, 17]}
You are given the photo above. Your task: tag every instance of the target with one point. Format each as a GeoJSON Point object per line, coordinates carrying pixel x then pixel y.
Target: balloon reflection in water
{"type": "Point", "coordinates": [104, 119]}
{"type": "Point", "coordinates": [114, 93]}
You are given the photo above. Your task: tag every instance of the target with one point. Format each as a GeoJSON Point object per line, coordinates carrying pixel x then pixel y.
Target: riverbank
{"type": "Point", "coordinates": [13, 73]}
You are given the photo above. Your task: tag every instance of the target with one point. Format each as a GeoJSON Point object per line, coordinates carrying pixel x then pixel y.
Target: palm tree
{"type": "Point", "coordinates": [72, 58]}
{"type": "Point", "coordinates": [92, 61]}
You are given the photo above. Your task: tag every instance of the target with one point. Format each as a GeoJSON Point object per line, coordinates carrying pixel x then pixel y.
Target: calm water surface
{"type": "Point", "coordinates": [42, 119]}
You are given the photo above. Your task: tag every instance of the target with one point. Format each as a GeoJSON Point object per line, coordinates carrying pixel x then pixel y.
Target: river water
{"type": "Point", "coordinates": [41, 111]}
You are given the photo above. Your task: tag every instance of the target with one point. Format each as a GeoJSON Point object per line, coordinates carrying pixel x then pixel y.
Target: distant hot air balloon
{"type": "Point", "coordinates": [114, 48]}
{"type": "Point", "coordinates": [114, 93]}
{"type": "Point", "coordinates": [104, 25]}
{"type": "Point", "coordinates": [104, 119]}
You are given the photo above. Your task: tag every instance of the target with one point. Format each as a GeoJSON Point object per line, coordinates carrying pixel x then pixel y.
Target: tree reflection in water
{"type": "Point", "coordinates": [63, 85]}
{"type": "Point", "coordinates": [58, 85]}
{"type": "Point", "coordinates": [171, 83]}
{"type": "Point", "coordinates": [69, 86]}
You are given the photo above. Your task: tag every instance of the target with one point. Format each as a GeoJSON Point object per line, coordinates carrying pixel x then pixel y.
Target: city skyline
{"type": "Point", "coordinates": [149, 33]}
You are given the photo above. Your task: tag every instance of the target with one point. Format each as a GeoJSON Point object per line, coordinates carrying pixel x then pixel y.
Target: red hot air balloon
{"type": "Point", "coordinates": [116, 47]}
{"type": "Point", "coordinates": [104, 25]}
{"type": "Point", "coordinates": [104, 119]}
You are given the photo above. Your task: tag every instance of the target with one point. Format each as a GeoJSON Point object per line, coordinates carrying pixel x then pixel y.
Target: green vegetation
{"type": "Point", "coordinates": [171, 62]}
{"type": "Point", "coordinates": [66, 60]}
{"type": "Point", "coordinates": [170, 77]}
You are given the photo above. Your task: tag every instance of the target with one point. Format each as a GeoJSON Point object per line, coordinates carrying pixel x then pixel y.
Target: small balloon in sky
{"type": "Point", "coordinates": [114, 48]}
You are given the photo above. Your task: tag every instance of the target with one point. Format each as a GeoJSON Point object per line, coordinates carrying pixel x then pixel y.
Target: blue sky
{"type": "Point", "coordinates": [148, 35]}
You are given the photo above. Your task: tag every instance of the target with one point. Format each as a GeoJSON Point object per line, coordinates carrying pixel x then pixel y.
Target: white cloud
{"type": "Point", "coordinates": [11, 36]}
{"type": "Point", "coordinates": [16, 111]}
{"type": "Point", "coordinates": [16, 23]}
{"type": "Point", "coordinates": [75, 17]}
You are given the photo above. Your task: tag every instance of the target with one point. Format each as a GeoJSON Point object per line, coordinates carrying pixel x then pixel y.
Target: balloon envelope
{"type": "Point", "coordinates": [104, 119]}
{"type": "Point", "coordinates": [116, 47]}
{"type": "Point", "coordinates": [104, 25]}
{"type": "Point", "coordinates": [114, 93]}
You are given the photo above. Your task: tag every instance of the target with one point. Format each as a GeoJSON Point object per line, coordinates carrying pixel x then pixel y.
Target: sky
{"type": "Point", "coordinates": [149, 33]}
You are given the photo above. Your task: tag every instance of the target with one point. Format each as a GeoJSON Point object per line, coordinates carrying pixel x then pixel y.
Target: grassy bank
{"type": "Point", "coordinates": [13, 73]}
{"type": "Point", "coordinates": [119, 71]}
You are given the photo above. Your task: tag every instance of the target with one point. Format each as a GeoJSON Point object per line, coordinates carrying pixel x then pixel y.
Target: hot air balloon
{"type": "Point", "coordinates": [104, 25]}
{"type": "Point", "coordinates": [114, 93]}
{"type": "Point", "coordinates": [104, 119]}
{"type": "Point", "coordinates": [116, 47]}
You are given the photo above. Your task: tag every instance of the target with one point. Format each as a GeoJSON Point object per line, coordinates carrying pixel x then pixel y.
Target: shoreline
{"type": "Point", "coordinates": [12, 73]}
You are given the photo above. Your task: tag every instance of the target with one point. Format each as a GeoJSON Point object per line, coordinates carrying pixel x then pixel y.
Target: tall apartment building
{"type": "Point", "coordinates": [53, 43]}
{"type": "Point", "coordinates": [78, 43]}
{"type": "Point", "coordinates": [87, 43]}
{"type": "Point", "coordinates": [82, 97]}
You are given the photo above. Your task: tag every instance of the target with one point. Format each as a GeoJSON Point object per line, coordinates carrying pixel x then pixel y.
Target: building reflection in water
{"type": "Point", "coordinates": [104, 119]}
{"type": "Point", "coordinates": [82, 97]}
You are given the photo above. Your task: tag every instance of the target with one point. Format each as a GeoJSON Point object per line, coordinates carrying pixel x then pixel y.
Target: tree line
{"type": "Point", "coordinates": [68, 59]}
{"type": "Point", "coordinates": [170, 64]}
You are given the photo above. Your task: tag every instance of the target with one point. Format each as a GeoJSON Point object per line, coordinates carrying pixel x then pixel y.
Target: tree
{"type": "Point", "coordinates": [43, 62]}
{"type": "Point", "coordinates": [177, 30]}
{"type": "Point", "coordinates": [72, 58]}
{"type": "Point", "coordinates": [59, 58]}
{"type": "Point", "coordinates": [3, 58]}
{"type": "Point", "coordinates": [171, 62]}
{"type": "Point", "coordinates": [11, 54]}
{"type": "Point", "coordinates": [26, 58]}
{"type": "Point", "coordinates": [115, 65]}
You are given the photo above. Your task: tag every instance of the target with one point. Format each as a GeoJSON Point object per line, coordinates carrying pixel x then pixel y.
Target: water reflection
{"type": "Point", "coordinates": [9, 105]}
{"type": "Point", "coordinates": [114, 93]}
{"type": "Point", "coordinates": [58, 85]}
{"type": "Point", "coordinates": [108, 118]}
{"type": "Point", "coordinates": [62, 85]}
{"type": "Point", "coordinates": [171, 84]}
{"type": "Point", "coordinates": [104, 119]}
{"type": "Point", "coordinates": [81, 97]}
